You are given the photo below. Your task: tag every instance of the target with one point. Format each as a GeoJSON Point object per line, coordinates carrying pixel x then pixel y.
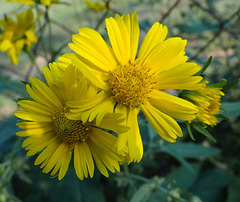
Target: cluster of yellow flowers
{"type": "Point", "coordinates": [88, 108]}
{"type": "Point", "coordinates": [18, 34]}
{"type": "Point", "coordinates": [30, 2]}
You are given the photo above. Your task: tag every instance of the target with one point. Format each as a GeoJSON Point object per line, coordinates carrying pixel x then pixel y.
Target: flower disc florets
{"type": "Point", "coordinates": [68, 130]}
{"type": "Point", "coordinates": [130, 84]}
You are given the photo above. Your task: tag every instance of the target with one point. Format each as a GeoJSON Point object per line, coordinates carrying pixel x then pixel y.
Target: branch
{"type": "Point", "coordinates": [215, 17]}
{"type": "Point", "coordinates": [104, 15]}
{"type": "Point", "coordinates": [210, 41]}
{"type": "Point", "coordinates": [165, 15]}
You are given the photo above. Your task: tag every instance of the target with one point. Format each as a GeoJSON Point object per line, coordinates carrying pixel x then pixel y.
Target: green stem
{"type": "Point", "coordinates": [49, 32]}
{"type": "Point", "coordinates": [127, 173]}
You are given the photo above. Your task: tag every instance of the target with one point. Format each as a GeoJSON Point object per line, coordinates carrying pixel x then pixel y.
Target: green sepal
{"type": "Point", "coordinates": [224, 109]}
{"type": "Point", "coordinates": [25, 82]}
{"type": "Point", "coordinates": [23, 98]}
{"type": "Point", "coordinates": [5, 17]}
{"type": "Point", "coordinates": [221, 116]}
{"type": "Point", "coordinates": [230, 85]}
{"type": "Point", "coordinates": [220, 84]}
{"type": "Point", "coordinates": [205, 66]}
{"type": "Point", "coordinates": [37, 1]}
{"type": "Point", "coordinates": [200, 128]}
{"type": "Point", "coordinates": [210, 75]}
{"type": "Point", "coordinates": [190, 131]}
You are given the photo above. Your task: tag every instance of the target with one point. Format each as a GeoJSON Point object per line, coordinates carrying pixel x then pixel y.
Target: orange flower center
{"type": "Point", "coordinates": [130, 84]}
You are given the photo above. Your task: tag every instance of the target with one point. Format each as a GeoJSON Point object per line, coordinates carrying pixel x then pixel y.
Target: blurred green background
{"type": "Point", "coordinates": [200, 170]}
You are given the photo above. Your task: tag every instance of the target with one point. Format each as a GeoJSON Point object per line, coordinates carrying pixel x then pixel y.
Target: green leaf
{"type": "Point", "coordinates": [233, 109]}
{"type": "Point", "coordinates": [230, 85]}
{"type": "Point", "coordinates": [7, 84]}
{"type": "Point", "coordinates": [233, 190]}
{"type": "Point", "coordinates": [70, 188]}
{"type": "Point", "coordinates": [8, 130]}
{"type": "Point", "coordinates": [205, 66]}
{"type": "Point", "coordinates": [191, 150]}
{"type": "Point", "coordinates": [145, 191]}
{"type": "Point", "coordinates": [182, 178]}
{"type": "Point", "coordinates": [198, 127]}
{"type": "Point", "coordinates": [209, 185]}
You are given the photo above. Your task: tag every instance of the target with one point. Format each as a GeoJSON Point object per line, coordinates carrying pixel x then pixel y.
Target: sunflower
{"type": "Point", "coordinates": [207, 99]}
{"type": "Point", "coordinates": [128, 83]}
{"type": "Point", "coordinates": [18, 34]}
{"type": "Point", "coordinates": [56, 138]}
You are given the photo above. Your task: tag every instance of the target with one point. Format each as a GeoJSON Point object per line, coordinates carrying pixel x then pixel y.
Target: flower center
{"type": "Point", "coordinates": [69, 130]}
{"type": "Point", "coordinates": [130, 84]}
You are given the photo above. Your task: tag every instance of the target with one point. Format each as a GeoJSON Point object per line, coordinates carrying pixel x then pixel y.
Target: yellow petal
{"type": "Point", "coordinates": [38, 143]}
{"type": "Point", "coordinates": [108, 162]}
{"type": "Point", "coordinates": [89, 109]}
{"type": "Point", "coordinates": [119, 38]}
{"type": "Point", "coordinates": [35, 131]}
{"type": "Point", "coordinates": [114, 122]}
{"type": "Point", "coordinates": [134, 140]}
{"type": "Point", "coordinates": [155, 36]}
{"type": "Point", "coordinates": [55, 157]}
{"type": "Point", "coordinates": [78, 165]}
{"type": "Point", "coordinates": [32, 116]}
{"type": "Point", "coordinates": [123, 32]}
{"type": "Point", "coordinates": [166, 55]}
{"type": "Point", "coordinates": [179, 77]}
{"type": "Point", "coordinates": [172, 105]}
{"type": "Point", "coordinates": [43, 91]}
{"type": "Point", "coordinates": [134, 36]}
{"type": "Point", "coordinates": [97, 158]}
{"type": "Point", "coordinates": [94, 75]}
{"type": "Point", "coordinates": [104, 141]}
{"type": "Point", "coordinates": [47, 152]}
{"type": "Point", "coordinates": [83, 159]}
{"type": "Point", "coordinates": [91, 46]}
{"type": "Point", "coordinates": [65, 164]}
{"type": "Point", "coordinates": [5, 45]}
{"type": "Point", "coordinates": [13, 56]}
{"type": "Point", "coordinates": [163, 124]}
{"type": "Point", "coordinates": [32, 106]}
{"type": "Point", "coordinates": [88, 158]}
{"type": "Point", "coordinates": [32, 125]}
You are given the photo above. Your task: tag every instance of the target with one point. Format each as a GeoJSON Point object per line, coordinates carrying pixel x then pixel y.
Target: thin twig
{"type": "Point", "coordinates": [107, 3]}
{"type": "Point", "coordinates": [101, 20]}
{"type": "Point", "coordinates": [11, 69]}
{"type": "Point", "coordinates": [165, 15]}
{"type": "Point", "coordinates": [62, 26]}
{"type": "Point", "coordinates": [210, 41]}
{"type": "Point", "coordinates": [29, 72]}
{"type": "Point", "coordinates": [215, 17]}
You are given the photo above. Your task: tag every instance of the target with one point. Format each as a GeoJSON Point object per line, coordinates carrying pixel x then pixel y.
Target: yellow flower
{"type": "Point", "coordinates": [17, 34]}
{"type": "Point", "coordinates": [207, 99]}
{"type": "Point", "coordinates": [30, 2]}
{"type": "Point", "coordinates": [128, 84]}
{"type": "Point", "coordinates": [97, 6]}
{"type": "Point", "coordinates": [55, 137]}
